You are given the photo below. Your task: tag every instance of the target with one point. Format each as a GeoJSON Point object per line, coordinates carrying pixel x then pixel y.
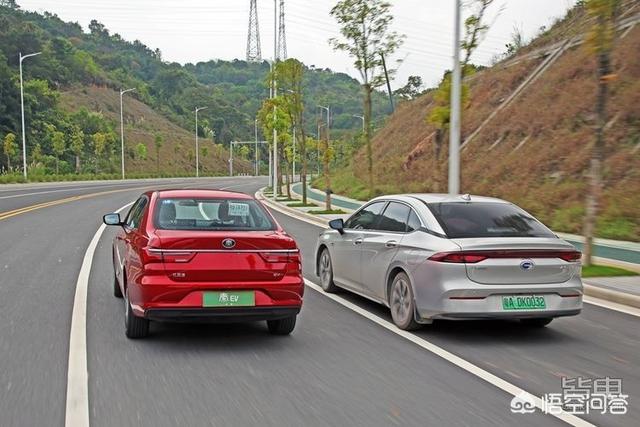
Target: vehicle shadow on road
{"type": "Point", "coordinates": [476, 332]}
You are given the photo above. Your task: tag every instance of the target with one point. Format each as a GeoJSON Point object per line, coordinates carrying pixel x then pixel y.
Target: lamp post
{"type": "Point", "coordinates": [275, 95]}
{"type": "Point", "coordinates": [197, 147]}
{"type": "Point", "coordinates": [122, 92]}
{"type": "Point", "coordinates": [24, 136]}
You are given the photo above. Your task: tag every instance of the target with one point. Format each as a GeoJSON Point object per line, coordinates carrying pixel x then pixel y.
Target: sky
{"type": "Point", "coordinates": [200, 30]}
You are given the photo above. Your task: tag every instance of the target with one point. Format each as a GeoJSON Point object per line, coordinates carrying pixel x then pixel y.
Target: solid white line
{"type": "Point", "coordinates": [611, 305]}
{"type": "Point", "coordinates": [77, 409]}
{"type": "Point", "coordinates": [450, 357]}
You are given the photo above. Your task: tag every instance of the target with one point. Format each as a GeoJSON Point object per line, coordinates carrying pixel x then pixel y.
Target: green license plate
{"type": "Point", "coordinates": [229, 299]}
{"type": "Point", "coordinates": [523, 302]}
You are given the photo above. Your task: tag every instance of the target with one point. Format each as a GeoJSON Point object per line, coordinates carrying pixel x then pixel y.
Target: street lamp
{"type": "Point", "coordinates": [256, 134]}
{"type": "Point", "coordinates": [24, 137]}
{"type": "Point", "coordinates": [361, 118]}
{"type": "Point", "coordinates": [197, 148]}
{"type": "Point", "coordinates": [275, 95]}
{"type": "Point", "coordinates": [122, 92]}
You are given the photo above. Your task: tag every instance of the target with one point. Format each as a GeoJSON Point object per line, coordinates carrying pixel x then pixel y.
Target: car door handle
{"type": "Point", "coordinates": [391, 244]}
{"type": "Point", "coordinates": [358, 241]}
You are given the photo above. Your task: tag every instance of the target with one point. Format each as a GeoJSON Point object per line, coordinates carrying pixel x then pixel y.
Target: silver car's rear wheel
{"type": "Point", "coordinates": [325, 270]}
{"type": "Point", "coordinates": [402, 303]}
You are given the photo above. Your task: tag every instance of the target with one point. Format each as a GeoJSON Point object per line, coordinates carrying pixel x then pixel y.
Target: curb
{"type": "Point", "coordinates": [589, 290]}
{"type": "Point", "coordinates": [611, 295]}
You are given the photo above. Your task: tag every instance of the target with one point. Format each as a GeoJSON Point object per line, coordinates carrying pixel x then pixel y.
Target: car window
{"type": "Point", "coordinates": [367, 218]}
{"type": "Point", "coordinates": [414, 222]}
{"type": "Point", "coordinates": [134, 216]}
{"type": "Point", "coordinates": [212, 214]}
{"type": "Point", "coordinates": [470, 220]}
{"type": "Point", "coordinates": [395, 218]}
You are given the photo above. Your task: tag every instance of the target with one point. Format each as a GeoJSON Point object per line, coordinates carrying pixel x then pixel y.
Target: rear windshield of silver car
{"type": "Point", "coordinates": [212, 214]}
{"type": "Point", "coordinates": [478, 219]}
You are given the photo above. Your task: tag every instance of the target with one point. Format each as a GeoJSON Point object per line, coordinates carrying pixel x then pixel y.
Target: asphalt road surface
{"type": "Point", "coordinates": [338, 368]}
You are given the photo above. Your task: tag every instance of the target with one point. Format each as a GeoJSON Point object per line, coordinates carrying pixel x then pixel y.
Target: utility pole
{"type": "Point", "coordinates": [254, 53]}
{"type": "Point", "coordinates": [275, 95]}
{"type": "Point", "coordinates": [326, 161]}
{"type": "Point", "coordinates": [122, 92]}
{"type": "Point", "coordinates": [24, 136]}
{"type": "Point", "coordinates": [456, 92]}
{"type": "Point", "coordinates": [197, 146]}
{"type": "Point", "coordinates": [386, 76]}
{"type": "Point", "coordinates": [231, 159]}
{"type": "Point", "coordinates": [294, 152]}
{"type": "Point", "coordinates": [256, 134]}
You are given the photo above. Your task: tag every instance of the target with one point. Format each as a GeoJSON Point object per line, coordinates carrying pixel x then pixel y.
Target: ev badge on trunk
{"type": "Point", "coordinates": [228, 243]}
{"type": "Point", "coordinates": [527, 265]}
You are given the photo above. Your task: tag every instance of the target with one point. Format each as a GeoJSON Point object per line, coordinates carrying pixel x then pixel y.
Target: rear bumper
{"type": "Point", "coordinates": [220, 315]}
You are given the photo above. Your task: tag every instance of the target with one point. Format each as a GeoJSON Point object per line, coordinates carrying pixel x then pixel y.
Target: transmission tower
{"type": "Point", "coordinates": [282, 37]}
{"type": "Point", "coordinates": [254, 54]}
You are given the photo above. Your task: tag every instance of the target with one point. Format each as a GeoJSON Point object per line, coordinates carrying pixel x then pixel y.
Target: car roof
{"type": "Point", "coordinates": [442, 198]}
{"type": "Point", "coordinates": [202, 194]}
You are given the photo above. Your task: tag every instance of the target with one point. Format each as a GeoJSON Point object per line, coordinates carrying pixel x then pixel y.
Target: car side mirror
{"type": "Point", "coordinates": [337, 224]}
{"type": "Point", "coordinates": [112, 219]}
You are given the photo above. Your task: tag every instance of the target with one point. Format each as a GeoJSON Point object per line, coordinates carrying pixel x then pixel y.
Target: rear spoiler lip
{"type": "Point", "coordinates": [280, 251]}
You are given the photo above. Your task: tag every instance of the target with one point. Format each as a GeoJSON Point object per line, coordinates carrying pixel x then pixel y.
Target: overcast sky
{"type": "Point", "coordinates": [199, 30]}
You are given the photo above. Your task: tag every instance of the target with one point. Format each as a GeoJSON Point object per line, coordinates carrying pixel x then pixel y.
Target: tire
{"type": "Point", "coordinates": [116, 286]}
{"type": "Point", "coordinates": [135, 327]}
{"type": "Point", "coordinates": [325, 271]}
{"type": "Point", "coordinates": [538, 322]}
{"type": "Point", "coordinates": [402, 303]}
{"type": "Point", "coordinates": [282, 326]}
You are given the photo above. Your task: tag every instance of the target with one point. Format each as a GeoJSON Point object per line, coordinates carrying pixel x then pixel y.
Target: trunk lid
{"type": "Point", "coordinates": [519, 260]}
{"type": "Point", "coordinates": [247, 256]}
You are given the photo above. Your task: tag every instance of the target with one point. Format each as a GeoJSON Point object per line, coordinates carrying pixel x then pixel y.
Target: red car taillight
{"type": "Point", "coordinates": [153, 255]}
{"type": "Point", "coordinates": [458, 257]}
{"type": "Point", "coordinates": [472, 257]}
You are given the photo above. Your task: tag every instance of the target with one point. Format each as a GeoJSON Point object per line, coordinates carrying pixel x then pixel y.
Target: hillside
{"type": "Point", "coordinates": [142, 124]}
{"type": "Point", "coordinates": [75, 62]}
{"type": "Point", "coordinates": [534, 151]}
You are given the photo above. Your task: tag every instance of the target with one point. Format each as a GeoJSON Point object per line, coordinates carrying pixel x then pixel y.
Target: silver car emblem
{"type": "Point", "coordinates": [228, 243]}
{"type": "Point", "coordinates": [527, 265]}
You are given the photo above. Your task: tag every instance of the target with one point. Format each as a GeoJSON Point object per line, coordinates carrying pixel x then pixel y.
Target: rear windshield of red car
{"type": "Point", "coordinates": [212, 214]}
{"type": "Point", "coordinates": [480, 219]}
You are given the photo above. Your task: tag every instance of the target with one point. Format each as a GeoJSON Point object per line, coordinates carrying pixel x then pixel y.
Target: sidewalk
{"type": "Point", "coordinates": [622, 290]}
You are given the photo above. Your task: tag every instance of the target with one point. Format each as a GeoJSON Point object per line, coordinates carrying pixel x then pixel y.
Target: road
{"type": "Point", "coordinates": [338, 368]}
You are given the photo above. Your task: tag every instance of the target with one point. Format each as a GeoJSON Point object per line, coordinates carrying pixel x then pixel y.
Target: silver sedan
{"type": "Point", "coordinates": [434, 256]}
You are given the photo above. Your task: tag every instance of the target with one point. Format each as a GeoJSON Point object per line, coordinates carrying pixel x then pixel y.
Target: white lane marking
{"type": "Point", "coordinates": [450, 357]}
{"type": "Point", "coordinates": [77, 405]}
{"type": "Point", "coordinates": [611, 305]}
{"type": "Point", "coordinates": [77, 409]}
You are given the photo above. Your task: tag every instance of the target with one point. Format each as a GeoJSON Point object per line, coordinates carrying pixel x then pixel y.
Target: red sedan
{"type": "Point", "coordinates": [204, 255]}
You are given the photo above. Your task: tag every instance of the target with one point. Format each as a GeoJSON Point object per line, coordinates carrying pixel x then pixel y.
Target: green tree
{"type": "Point", "coordinates": [290, 77]}
{"type": "Point", "coordinates": [9, 147]}
{"type": "Point", "coordinates": [99, 148]}
{"type": "Point", "coordinates": [141, 151]}
{"type": "Point", "coordinates": [59, 146]}
{"type": "Point", "coordinates": [281, 122]}
{"type": "Point", "coordinates": [602, 41]}
{"type": "Point", "coordinates": [158, 142]}
{"type": "Point", "coordinates": [365, 26]}
{"type": "Point", "coordinates": [77, 144]}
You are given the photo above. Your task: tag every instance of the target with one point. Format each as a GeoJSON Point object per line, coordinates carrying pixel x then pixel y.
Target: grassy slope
{"type": "Point", "coordinates": [548, 174]}
{"type": "Point", "coordinates": [142, 124]}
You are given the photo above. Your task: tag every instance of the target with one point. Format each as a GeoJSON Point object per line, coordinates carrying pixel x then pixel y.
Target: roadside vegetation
{"type": "Point", "coordinates": [72, 101]}
{"type": "Point", "coordinates": [605, 271]}
{"type": "Point", "coordinates": [537, 150]}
